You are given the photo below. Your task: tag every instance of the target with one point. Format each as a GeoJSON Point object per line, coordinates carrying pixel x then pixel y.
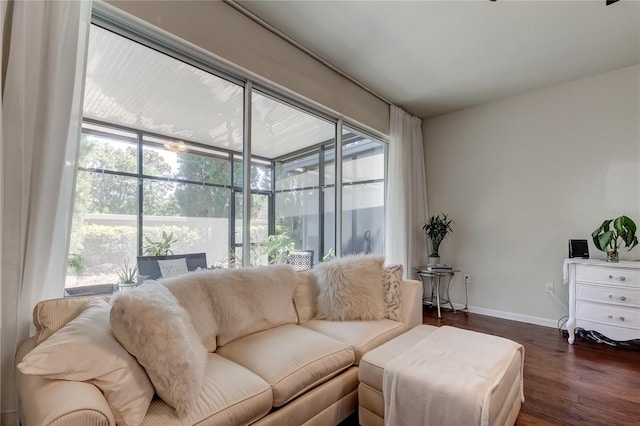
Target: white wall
{"type": "Point", "coordinates": [523, 175]}
{"type": "Point", "coordinates": [227, 33]}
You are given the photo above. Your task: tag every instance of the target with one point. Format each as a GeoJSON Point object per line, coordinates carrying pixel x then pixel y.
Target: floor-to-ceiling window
{"type": "Point", "coordinates": [297, 140]}
{"type": "Point", "coordinates": [363, 189]}
{"type": "Point", "coordinates": [162, 154]}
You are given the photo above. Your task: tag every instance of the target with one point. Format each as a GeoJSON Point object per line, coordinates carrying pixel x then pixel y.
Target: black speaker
{"type": "Point", "coordinates": [578, 248]}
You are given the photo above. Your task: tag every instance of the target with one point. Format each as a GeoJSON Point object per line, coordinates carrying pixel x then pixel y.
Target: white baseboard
{"type": "Point", "coordinates": [545, 322]}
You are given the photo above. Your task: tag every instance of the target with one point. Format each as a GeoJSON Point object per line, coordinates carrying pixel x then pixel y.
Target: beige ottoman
{"type": "Point", "coordinates": [505, 400]}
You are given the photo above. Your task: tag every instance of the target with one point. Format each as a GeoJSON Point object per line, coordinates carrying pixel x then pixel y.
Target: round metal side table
{"type": "Point", "coordinates": [440, 280]}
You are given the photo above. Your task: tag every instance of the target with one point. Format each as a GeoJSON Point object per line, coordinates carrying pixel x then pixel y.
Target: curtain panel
{"type": "Point", "coordinates": [41, 118]}
{"type": "Point", "coordinates": [406, 205]}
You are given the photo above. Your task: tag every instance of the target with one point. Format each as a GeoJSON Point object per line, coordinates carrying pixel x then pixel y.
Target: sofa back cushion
{"type": "Point", "coordinates": [305, 296]}
{"type": "Point", "coordinates": [241, 301]}
{"type": "Point", "coordinates": [191, 292]}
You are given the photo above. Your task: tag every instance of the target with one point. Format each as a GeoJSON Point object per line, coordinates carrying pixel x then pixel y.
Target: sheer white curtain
{"type": "Point", "coordinates": [41, 109]}
{"type": "Point", "coordinates": [3, 15]}
{"type": "Point", "coordinates": [406, 205]}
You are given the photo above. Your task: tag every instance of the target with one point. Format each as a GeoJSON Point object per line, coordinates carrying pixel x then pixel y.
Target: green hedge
{"type": "Point", "coordinates": [105, 247]}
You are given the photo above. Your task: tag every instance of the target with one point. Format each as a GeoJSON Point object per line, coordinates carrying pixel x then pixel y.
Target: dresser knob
{"type": "Point", "coordinates": [611, 296]}
{"type": "Point", "coordinates": [623, 298]}
{"type": "Point", "coordinates": [621, 318]}
{"type": "Point", "coordinates": [609, 316]}
{"type": "Point", "coordinates": [623, 278]}
{"type": "Point", "coordinates": [610, 277]}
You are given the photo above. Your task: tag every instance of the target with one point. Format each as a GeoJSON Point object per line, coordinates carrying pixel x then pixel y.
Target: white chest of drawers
{"type": "Point", "coordinates": [604, 297]}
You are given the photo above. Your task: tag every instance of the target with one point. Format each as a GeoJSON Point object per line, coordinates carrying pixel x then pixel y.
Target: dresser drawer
{"type": "Point", "coordinates": [608, 314]}
{"type": "Point", "coordinates": [608, 275]}
{"type": "Point", "coordinates": [623, 296]}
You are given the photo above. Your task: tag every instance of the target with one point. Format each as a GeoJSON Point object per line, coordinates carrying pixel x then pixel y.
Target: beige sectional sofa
{"type": "Point", "coordinates": [302, 371]}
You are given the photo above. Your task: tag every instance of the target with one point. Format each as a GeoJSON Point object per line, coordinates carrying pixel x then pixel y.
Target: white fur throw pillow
{"type": "Point", "coordinates": [240, 301]}
{"type": "Point", "coordinates": [85, 350]}
{"type": "Point", "coordinates": [350, 288]}
{"type": "Point", "coordinates": [151, 325]}
{"type": "Point", "coordinates": [393, 292]}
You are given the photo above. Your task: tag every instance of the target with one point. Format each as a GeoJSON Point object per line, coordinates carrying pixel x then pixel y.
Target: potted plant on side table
{"type": "Point", "coordinates": [437, 230]}
{"type": "Point", "coordinates": [609, 240]}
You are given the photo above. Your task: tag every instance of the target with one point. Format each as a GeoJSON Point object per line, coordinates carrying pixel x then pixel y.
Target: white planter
{"type": "Point", "coordinates": [126, 287]}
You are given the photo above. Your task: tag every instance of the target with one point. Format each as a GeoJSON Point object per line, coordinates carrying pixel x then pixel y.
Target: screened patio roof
{"type": "Point", "coordinates": [132, 85]}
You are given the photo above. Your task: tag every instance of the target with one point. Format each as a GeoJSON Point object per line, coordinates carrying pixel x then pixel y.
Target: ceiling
{"type": "Point", "coordinates": [434, 57]}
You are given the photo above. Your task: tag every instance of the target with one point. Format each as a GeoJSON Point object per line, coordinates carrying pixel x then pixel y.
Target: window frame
{"type": "Point", "coordinates": [189, 54]}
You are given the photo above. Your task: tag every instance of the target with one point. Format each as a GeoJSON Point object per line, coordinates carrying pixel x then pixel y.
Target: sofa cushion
{"type": "Point", "coordinates": [230, 395]}
{"type": "Point", "coordinates": [362, 336]}
{"type": "Point", "coordinates": [326, 404]}
{"type": "Point", "coordinates": [291, 358]}
{"type": "Point", "coordinates": [240, 301]}
{"type": "Point", "coordinates": [86, 350]}
{"type": "Point", "coordinates": [51, 315]}
{"type": "Point", "coordinates": [350, 288]}
{"type": "Point", "coordinates": [152, 326]}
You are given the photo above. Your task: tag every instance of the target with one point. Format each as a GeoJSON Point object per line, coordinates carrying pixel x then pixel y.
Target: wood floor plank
{"type": "Point", "coordinates": [580, 384]}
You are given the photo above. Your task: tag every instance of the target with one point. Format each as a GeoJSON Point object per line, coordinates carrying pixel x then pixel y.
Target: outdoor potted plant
{"type": "Point", "coordinates": [127, 276]}
{"type": "Point", "coordinates": [437, 230]}
{"type": "Point", "coordinates": [160, 248]}
{"type": "Point", "coordinates": [609, 240]}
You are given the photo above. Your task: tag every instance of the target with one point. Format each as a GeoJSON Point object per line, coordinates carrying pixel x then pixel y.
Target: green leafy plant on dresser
{"type": "Point", "coordinates": [610, 236]}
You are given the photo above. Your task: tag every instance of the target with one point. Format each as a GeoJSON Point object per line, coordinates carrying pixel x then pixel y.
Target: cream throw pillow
{"type": "Point", "coordinates": [85, 350]}
{"type": "Point", "coordinates": [350, 288]}
{"type": "Point", "coordinates": [152, 325]}
{"type": "Point", "coordinates": [393, 292]}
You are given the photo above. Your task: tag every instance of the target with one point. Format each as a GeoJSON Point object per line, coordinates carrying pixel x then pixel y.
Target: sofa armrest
{"type": "Point", "coordinates": [411, 303]}
{"type": "Point", "coordinates": [44, 401]}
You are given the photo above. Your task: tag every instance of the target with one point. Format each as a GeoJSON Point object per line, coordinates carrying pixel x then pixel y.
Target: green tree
{"type": "Point", "coordinates": [207, 201]}
{"type": "Point", "coordinates": [110, 194]}
{"type": "Point", "coordinates": [200, 200]}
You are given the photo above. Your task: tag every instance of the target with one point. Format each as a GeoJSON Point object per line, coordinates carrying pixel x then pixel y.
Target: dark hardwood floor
{"type": "Point", "coordinates": [580, 384]}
